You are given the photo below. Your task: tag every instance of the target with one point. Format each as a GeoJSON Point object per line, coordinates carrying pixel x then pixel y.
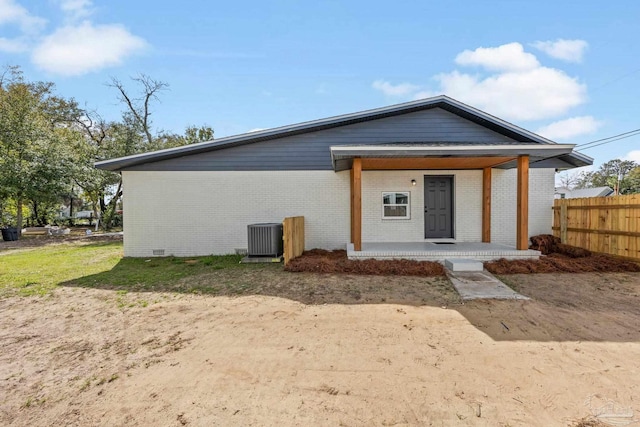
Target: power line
{"type": "Point", "coordinates": [609, 139]}
{"type": "Point", "coordinates": [606, 142]}
{"type": "Point", "coordinates": [615, 80]}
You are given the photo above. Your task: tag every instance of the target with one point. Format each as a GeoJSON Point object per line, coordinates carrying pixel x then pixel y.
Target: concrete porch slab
{"type": "Point", "coordinates": [481, 285]}
{"type": "Point", "coordinates": [429, 251]}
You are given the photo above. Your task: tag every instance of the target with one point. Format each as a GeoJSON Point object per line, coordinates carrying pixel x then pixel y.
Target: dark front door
{"type": "Point", "coordinates": [438, 207]}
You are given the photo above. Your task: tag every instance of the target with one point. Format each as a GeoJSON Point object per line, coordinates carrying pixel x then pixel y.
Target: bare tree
{"type": "Point", "coordinates": [139, 107]}
{"type": "Point", "coordinates": [133, 134]}
{"type": "Point", "coordinates": [568, 179]}
{"type": "Point", "coordinates": [98, 145]}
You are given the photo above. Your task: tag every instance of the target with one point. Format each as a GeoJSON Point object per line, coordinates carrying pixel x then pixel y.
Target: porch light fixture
{"type": "Point", "coordinates": [413, 182]}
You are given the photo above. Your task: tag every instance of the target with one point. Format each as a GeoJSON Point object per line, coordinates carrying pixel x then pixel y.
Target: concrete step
{"type": "Point", "coordinates": [461, 264]}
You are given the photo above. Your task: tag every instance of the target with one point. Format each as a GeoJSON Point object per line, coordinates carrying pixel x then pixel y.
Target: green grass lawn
{"type": "Point", "coordinates": [100, 265]}
{"type": "Point", "coordinates": [36, 271]}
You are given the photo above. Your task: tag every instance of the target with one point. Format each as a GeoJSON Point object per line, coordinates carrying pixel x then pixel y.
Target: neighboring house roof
{"type": "Point", "coordinates": [509, 131]}
{"type": "Point", "coordinates": [583, 192]}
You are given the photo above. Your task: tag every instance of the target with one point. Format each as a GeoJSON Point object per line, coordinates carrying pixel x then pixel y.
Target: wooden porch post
{"type": "Point", "coordinates": [356, 204]}
{"type": "Point", "coordinates": [522, 211]}
{"type": "Point", "coordinates": [486, 205]}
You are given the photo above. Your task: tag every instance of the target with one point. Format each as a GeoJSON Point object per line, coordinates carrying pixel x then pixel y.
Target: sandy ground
{"type": "Point", "coordinates": [99, 357]}
{"type": "Point", "coordinates": [77, 236]}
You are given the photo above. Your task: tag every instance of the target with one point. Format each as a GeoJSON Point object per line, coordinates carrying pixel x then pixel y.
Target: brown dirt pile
{"type": "Point", "coordinates": [548, 244]}
{"type": "Point", "coordinates": [321, 261]}
{"type": "Point", "coordinates": [561, 258]}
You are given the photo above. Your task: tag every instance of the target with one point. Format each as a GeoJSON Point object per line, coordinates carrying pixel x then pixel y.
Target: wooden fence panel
{"type": "Point", "coordinates": [608, 225]}
{"type": "Point", "coordinates": [293, 236]}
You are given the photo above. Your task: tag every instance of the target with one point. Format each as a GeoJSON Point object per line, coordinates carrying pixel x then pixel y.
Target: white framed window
{"type": "Point", "coordinates": [395, 205]}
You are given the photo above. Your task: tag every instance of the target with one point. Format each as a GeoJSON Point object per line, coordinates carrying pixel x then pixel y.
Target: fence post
{"type": "Point", "coordinates": [563, 221]}
{"type": "Point", "coordinates": [293, 236]}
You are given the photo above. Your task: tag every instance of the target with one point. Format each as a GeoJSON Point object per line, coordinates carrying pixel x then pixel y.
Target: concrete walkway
{"type": "Point", "coordinates": [481, 285]}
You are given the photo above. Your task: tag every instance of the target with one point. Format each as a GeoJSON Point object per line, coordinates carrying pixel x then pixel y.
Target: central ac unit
{"type": "Point", "coordinates": [265, 239]}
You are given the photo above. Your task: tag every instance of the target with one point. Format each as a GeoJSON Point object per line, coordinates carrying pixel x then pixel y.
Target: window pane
{"type": "Point", "coordinates": [402, 199]}
{"type": "Point", "coordinates": [395, 211]}
{"type": "Point", "coordinates": [395, 198]}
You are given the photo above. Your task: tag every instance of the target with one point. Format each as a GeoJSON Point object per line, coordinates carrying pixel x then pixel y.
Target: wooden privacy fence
{"type": "Point", "coordinates": [601, 224]}
{"type": "Point", "coordinates": [293, 237]}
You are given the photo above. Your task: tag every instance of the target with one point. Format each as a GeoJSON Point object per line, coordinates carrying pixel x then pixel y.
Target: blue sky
{"type": "Point", "coordinates": [569, 70]}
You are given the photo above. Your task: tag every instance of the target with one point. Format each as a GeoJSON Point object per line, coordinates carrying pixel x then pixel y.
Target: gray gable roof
{"type": "Point", "coordinates": [584, 192]}
{"type": "Point", "coordinates": [507, 133]}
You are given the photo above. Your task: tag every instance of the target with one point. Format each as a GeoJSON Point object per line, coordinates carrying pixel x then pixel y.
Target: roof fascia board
{"type": "Point", "coordinates": [552, 149]}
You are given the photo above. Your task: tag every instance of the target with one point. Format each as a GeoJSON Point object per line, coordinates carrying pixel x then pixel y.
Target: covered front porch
{"type": "Point", "coordinates": [469, 234]}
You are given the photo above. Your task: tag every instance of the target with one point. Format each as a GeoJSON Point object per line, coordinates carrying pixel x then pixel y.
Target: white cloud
{"type": "Point", "coordinates": [76, 9]}
{"type": "Point", "coordinates": [535, 94]}
{"type": "Point", "coordinates": [512, 85]}
{"type": "Point", "coordinates": [13, 13]}
{"type": "Point", "coordinates": [77, 50]}
{"type": "Point", "coordinates": [74, 48]}
{"type": "Point", "coordinates": [570, 128]}
{"type": "Point", "coordinates": [567, 50]}
{"type": "Point", "coordinates": [633, 156]}
{"type": "Point", "coordinates": [12, 45]}
{"type": "Point", "coordinates": [508, 57]}
{"type": "Point", "coordinates": [389, 89]}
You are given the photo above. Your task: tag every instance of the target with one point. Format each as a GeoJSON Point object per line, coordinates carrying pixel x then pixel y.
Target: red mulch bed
{"type": "Point", "coordinates": [561, 258]}
{"type": "Point", "coordinates": [321, 261]}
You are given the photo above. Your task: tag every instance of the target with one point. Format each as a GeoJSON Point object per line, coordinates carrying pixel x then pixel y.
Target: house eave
{"type": "Point", "coordinates": [442, 101]}
{"type": "Point", "coordinates": [342, 156]}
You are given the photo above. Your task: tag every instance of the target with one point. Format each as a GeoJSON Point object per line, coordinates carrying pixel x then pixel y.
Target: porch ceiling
{"type": "Point", "coordinates": [459, 156]}
{"type": "Point", "coordinates": [434, 163]}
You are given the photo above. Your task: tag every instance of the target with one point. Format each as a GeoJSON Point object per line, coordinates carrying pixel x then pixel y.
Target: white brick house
{"type": "Point", "coordinates": [428, 170]}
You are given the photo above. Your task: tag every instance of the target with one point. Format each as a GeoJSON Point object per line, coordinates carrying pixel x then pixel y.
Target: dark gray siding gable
{"type": "Point", "coordinates": [310, 151]}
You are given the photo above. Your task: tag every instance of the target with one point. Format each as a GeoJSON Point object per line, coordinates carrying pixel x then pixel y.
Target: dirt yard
{"type": "Point", "coordinates": [104, 357]}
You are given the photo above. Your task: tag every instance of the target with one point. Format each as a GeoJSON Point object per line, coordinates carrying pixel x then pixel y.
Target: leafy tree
{"type": "Point", "coordinates": [195, 134]}
{"type": "Point", "coordinates": [34, 142]}
{"type": "Point", "coordinates": [95, 145]}
{"type": "Point", "coordinates": [48, 146]}
{"type": "Point", "coordinates": [633, 181]}
{"type": "Point", "coordinates": [614, 174]}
